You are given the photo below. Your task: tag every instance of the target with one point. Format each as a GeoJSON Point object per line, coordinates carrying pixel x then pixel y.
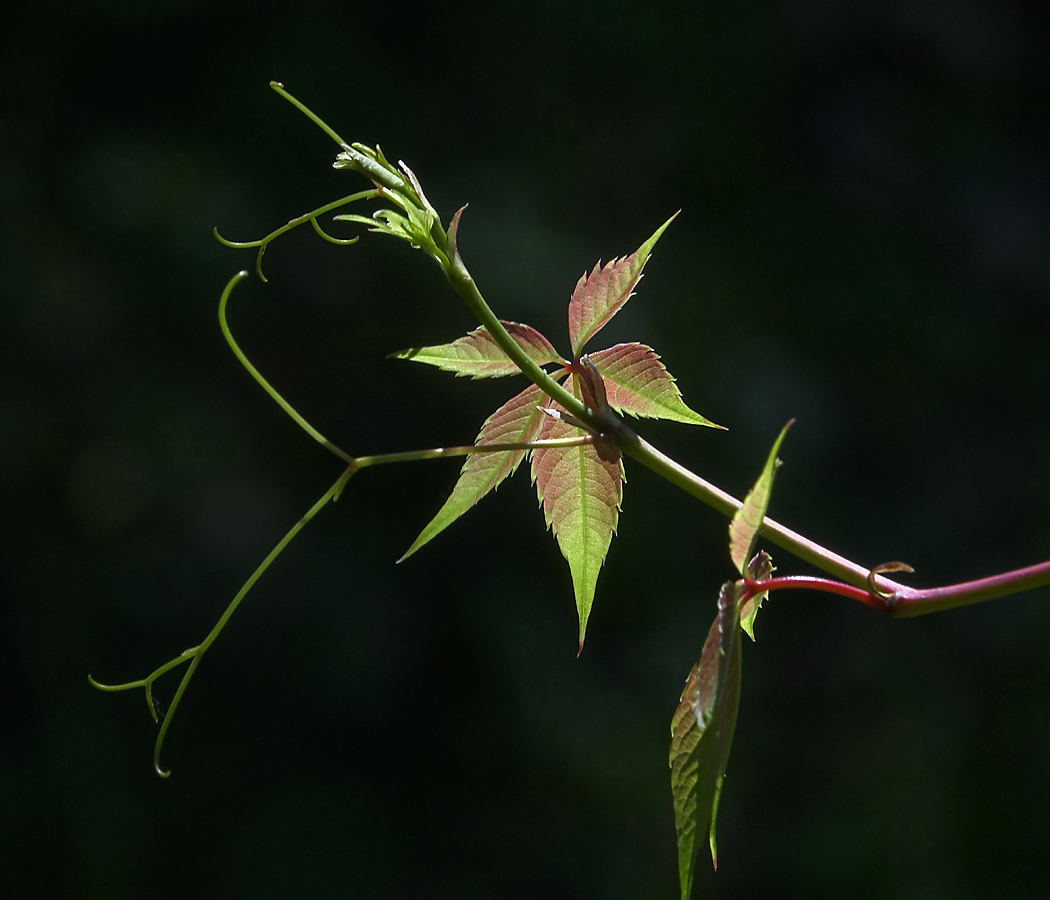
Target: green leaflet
{"type": "Point", "coordinates": [743, 530]}
{"type": "Point", "coordinates": [517, 420]}
{"type": "Point", "coordinates": [600, 295]}
{"type": "Point", "coordinates": [581, 489]}
{"type": "Point", "coordinates": [479, 356]}
{"type": "Point", "coordinates": [637, 383]}
{"type": "Point", "coordinates": [702, 734]}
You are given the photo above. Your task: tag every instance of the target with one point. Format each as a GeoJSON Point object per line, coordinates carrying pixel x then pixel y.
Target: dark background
{"type": "Point", "coordinates": [866, 213]}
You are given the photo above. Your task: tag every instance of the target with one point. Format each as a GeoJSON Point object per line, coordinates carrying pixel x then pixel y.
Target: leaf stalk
{"type": "Point", "coordinates": [882, 604]}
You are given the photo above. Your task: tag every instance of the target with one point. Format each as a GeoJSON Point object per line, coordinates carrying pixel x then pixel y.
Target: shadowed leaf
{"type": "Point", "coordinates": [702, 734]}
{"type": "Point", "coordinates": [599, 296]}
{"type": "Point", "coordinates": [479, 356]}
{"type": "Point", "coordinates": [759, 569]}
{"type": "Point", "coordinates": [517, 420]}
{"type": "Point", "coordinates": [743, 530]}
{"type": "Point", "coordinates": [637, 383]}
{"type": "Point", "coordinates": [580, 489]}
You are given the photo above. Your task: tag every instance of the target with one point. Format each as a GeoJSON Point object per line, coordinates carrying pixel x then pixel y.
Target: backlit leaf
{"type": "Point", "coordinates": [600, 295]}
{"type": "Point", "coordinates": [517, 420]}
{"type": "Point", "coordinates": [637, 383]}
{"type": "Point", "coordinates": [702, 734]}
{"type": "Point", "coordinates": [580, 489]}
{"type": "Point", "coordinates": [743, 530]}
{"type": "Point", "coordinates": [479, 356]}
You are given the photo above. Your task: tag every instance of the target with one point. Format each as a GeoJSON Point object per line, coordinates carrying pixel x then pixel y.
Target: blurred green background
{"type": "Point", "coordinates": [863, 245]}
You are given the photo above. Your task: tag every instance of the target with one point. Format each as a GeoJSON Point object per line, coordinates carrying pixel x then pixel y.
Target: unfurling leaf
{"type": "Point", "coordinates": [759, 569]}
{"type": "Point", "coordinates": [516, 421]}
{"type": "Point", "coordinates": [479, 356]}
{"type": "Point", "coordinates": [599, 296]}
{"type": "Point", "coordinates": [637, 383]}
{"type": "Point", "coordinates": [702, 734]}
{"type": "Point", "coordinates": [581, 489]}
{"type": "Point", "coordinates": [743, 530]}
{"type": "Point", "coordinates": [414, 223]}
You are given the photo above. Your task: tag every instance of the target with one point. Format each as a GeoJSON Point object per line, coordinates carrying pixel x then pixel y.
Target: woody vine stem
{"type": "Point", "coordinates": [574, 395]}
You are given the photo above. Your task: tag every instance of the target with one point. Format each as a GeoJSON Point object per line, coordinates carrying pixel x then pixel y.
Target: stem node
{"type": "Point", "coordinates": [894, 566]}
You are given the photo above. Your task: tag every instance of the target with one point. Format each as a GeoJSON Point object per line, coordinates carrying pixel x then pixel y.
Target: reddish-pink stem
{"type": "Point", "coordinates": [919, 601]}
{"type": "Point", "coordinates": [905, 602]}
{"type": "Point", "coordinates": [882, 604]}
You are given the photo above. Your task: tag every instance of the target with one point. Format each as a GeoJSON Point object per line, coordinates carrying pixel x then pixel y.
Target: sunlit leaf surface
{"type": "Point", "coordinates": [637, 383]}
{"type": "Point", "coordinates": [743, 530]}
{"type": "Point", "coordinates": [479, 356]}
{"type": "Point", "coordinates": [702, 734]}
{"type": "Point", "coordinates": [581, 489]}
{"type": "Point", "coordinates": [600, 295]}
{"type": "Point", "coordinates": [517, 420]}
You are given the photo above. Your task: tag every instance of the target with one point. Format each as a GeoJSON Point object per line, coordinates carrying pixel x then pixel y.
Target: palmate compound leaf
{"type": "Point", "coordinates": [637, 383]}
{"type": "Point", "coordinates": [479, 356]}
{"type": "Point", "coordinates": [516, 421]}
{"type": "Point", "coordinates": [581, 489]}
{"type": "Point", "coordinates": [600, 295]}
{"type": "Point", "coordinates": [702, 734]}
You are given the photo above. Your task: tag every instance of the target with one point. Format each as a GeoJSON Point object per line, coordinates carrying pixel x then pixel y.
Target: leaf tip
{"type": "Point", "coordinates": [409, 552]}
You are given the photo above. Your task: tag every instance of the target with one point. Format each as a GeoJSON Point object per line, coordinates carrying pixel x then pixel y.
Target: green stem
{"type": "Point", "coordinates": [464, 285]}
{"type": "Point", "coordinates": [810, 551]}
{"type": "Point", "coordinates": [302, 220]}
{"type": "Point", "coordinates": [642, 451]}
{"type": "Point", "coordinates": [363, 462]}
{"type": "Point", "coordinates": [310, 217]}
{"type": "Point", "coordinates": [199, 651]}
{"type": "Point", "coordinates": [195, 654]}
{"type": "Point", "coordinates": [309, 113]}
{"type": "Point", "coordinates": [277, 398]}
{"type": "Point", "coordinates": [147, 682]}
{"type": "Point", "coordinates": [908, 601]}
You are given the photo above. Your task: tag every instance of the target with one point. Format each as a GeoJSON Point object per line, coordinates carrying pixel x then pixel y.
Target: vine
{"type": "Point", "coordinates": [568, 425]}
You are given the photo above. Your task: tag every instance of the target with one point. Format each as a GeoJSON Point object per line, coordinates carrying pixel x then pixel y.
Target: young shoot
{"type": "Point", "coordinates": [569, 425]}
